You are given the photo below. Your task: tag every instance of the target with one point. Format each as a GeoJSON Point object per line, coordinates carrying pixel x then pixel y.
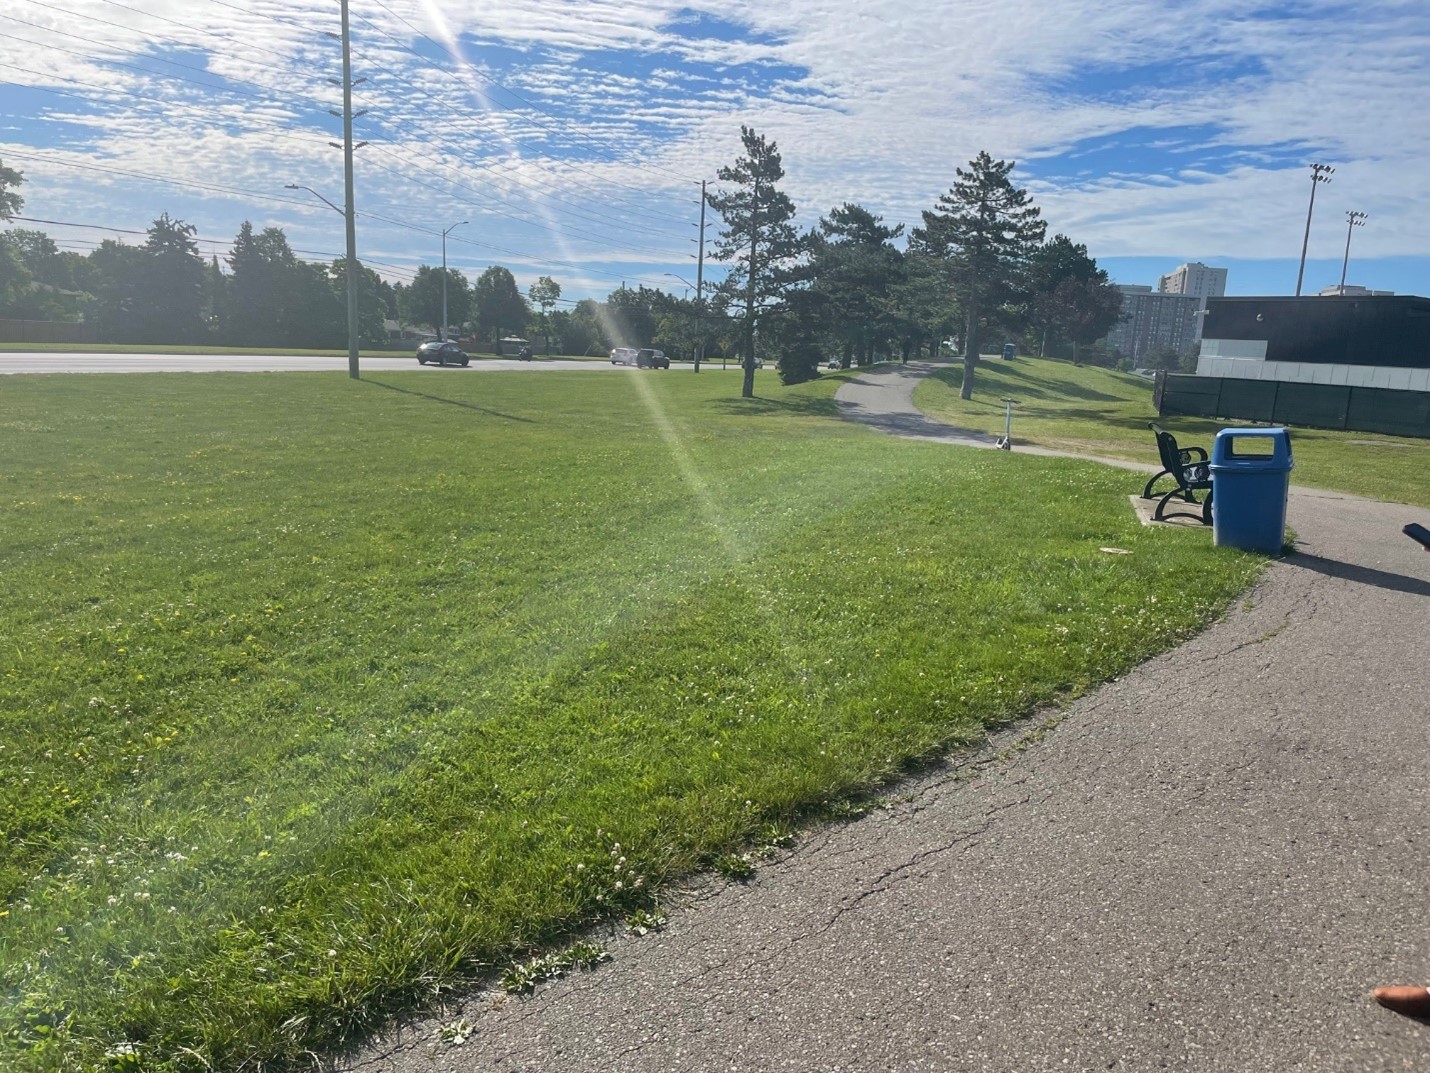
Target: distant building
{"type": "Point", "coordinates": [1199, 280]}
{"type": "Point", "coordinates": [1155, 321]}
{"type": "Point", "coordinates": [1348, 362]}
{"type": "Point", "coordinates": [1195, 279]}
{"type": "Point", "coordinates": [1365, 341]}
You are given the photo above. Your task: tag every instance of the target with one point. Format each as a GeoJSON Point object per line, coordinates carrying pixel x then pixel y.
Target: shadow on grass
{"type": "Point", "coordinates": [1364, 575]}
{"type": "Point", "coordinates": [1011, 378]}
{"type": "Point", "coordinates": [448, 402]}
{"type": "Point", "coordinates": [1100, 416]}
{"type": "Point", "coordinates": [1060, 388]}
{"type": "Point", "coordinates": [798, 406]}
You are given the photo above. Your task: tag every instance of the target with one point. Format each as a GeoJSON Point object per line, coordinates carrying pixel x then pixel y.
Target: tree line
{"type": "Point", "coordinates": [978, 267]}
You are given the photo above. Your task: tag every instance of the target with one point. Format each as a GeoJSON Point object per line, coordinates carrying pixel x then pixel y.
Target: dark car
{"type": "Point", "coordinates": [652, 359]}
{"type": "Point", "coordinates": [440, 353]}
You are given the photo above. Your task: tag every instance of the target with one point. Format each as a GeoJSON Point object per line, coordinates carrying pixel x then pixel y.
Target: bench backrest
{"type": "Point", "coordinates": [1167, 447]}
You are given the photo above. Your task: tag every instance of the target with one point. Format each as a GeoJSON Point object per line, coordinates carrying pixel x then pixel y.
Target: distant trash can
{"type": "Point", "coordinates": [1010, 351]}
{"type": "Point", "coordinates": [1251, 478]}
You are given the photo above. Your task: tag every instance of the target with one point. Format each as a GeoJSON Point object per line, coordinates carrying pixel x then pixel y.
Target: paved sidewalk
{"type": "Point", "coordinates": [1205, 865]}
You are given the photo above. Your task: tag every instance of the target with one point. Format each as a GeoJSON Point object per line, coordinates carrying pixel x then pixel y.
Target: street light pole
{"type": "Point", "coordinates": [688, 285]}
{"type": "Point", "coordinates": [1320, 173]}
{"type": "Point", "coordinates": [1353, 220]}
{"type": "Point", "coordinates": [444, 276]}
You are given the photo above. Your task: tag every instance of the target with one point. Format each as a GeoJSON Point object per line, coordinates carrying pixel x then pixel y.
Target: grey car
{"type": "Point", "coordinates": [440, 353]}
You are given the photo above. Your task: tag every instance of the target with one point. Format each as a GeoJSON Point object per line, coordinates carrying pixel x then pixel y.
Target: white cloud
{"type": "Point", "coordinates": [871, 104]}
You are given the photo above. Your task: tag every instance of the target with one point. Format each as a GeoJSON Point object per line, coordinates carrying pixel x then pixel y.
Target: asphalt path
{"type": "Point", "coordinates": [50, 362]}
{"type": "Point", "coordinates": [1205, 865]}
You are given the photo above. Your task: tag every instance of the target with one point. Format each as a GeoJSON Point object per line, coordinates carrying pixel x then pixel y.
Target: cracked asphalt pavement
{"type": "Point", "coordinates": [1205, 865]}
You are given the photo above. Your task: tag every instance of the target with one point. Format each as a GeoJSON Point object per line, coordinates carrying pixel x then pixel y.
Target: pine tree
{"type": "Point", "coordinates": [758, 237]}
{"type": "Point", "coordinates": [987, 230]}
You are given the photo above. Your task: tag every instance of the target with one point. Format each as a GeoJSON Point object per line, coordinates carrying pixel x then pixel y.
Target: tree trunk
{"type": "Point", "coordinates": [747, 388]}
{"type": "Point", "coordinates": [971, 343]}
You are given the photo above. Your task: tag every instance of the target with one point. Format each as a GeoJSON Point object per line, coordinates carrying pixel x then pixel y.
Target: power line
{"type": "Point", "coordinates": [585, 213]}
{"type": "Point", "coordinates": [367, 214]}
{"type": "Point", "coordinates": [198, 238]}
{"type": "Point", "coordinates": [212, 187]}
{"type": "Point", "coordinates": [203, 34]}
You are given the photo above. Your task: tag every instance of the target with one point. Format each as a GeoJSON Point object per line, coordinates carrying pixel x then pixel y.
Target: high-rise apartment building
{"type": "Point", "coordinates": [1154, 321]}
{"type": "Point", "coordinates": [1195, 279]}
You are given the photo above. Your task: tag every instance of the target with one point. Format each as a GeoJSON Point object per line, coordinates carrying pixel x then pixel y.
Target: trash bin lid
{"type": "Point", "coordinates": [1263, 450]}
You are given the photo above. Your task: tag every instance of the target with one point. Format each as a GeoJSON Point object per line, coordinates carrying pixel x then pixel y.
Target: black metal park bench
{"type": "Point", "coordinates": [1188, 466]}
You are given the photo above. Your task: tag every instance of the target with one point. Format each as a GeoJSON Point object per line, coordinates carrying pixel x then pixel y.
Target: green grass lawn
{"type": "Point", "coordinates": [1098, 411]}
{"type": "Point", "coordinates": [318, 697]}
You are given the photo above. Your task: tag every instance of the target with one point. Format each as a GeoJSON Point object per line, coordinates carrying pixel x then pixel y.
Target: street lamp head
{"type": "Point", "coordinates": [291, 186]}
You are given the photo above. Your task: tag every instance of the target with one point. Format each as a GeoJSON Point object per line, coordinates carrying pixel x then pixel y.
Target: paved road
{"type": "Point", "coordinates": [1204, 866]}
{"type": "Point", "coordinates": [18, 362]}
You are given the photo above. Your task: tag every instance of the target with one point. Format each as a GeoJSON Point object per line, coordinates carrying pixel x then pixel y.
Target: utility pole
{"type": "Point", "coordinates": [700, 281]}
{"type": "Point", "coordinates": [444, 276]}
{"type": "Point", "coordinates": [1353, 220]}
{"type": "Point", "coordinates": [350, 213]}
{"type": "Point", "coordinates": [1320, 173]}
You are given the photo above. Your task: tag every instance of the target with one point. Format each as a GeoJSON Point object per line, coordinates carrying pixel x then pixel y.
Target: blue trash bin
{"type": "Point", "coordinates": [1251, 477]}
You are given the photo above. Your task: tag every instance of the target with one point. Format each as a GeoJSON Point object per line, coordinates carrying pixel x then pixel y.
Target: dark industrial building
{"type": "Point", "coordinates": [1345, 362]}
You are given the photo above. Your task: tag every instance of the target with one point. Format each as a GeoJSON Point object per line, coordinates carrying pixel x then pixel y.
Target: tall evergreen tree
{"type": "Point", "coordinates": [987, 230]}
{"type": "Point", "coordinates": [758, 239]}
{"type": "Point", "coordinates": [259, 304]}
{"type": "Point", "coordinates": [854, 266]}
{"type": "Point", "coordinates": [170, 308]}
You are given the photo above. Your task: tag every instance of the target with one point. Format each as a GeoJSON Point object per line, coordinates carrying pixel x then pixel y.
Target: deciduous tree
{"type": "Point", "coordinates": [1070, 298]}
{"type": "Point", "coordinates": [421, 301]}
{"type": "Point", "coordinates": [499, 306]}
{"type": "Point", "coordinates": [545, 293]}
{"type": "Point", "coordinates": [11, 201]}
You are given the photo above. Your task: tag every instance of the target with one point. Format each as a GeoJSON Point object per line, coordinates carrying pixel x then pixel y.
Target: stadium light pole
{"type": "Point", "coordinates": [1320, 173]}
{"type": "Point", "coordinates": [1353, 220]}
{"type": "Point", "coordinates": [444, 275]}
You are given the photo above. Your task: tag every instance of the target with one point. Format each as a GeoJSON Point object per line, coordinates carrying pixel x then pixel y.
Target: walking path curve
{"type": "Point", "coordinates": [1205, 865]}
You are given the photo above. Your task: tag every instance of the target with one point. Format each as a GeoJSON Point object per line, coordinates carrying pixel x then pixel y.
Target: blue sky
{"type": "Point", "coordinates": [571, 136]}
